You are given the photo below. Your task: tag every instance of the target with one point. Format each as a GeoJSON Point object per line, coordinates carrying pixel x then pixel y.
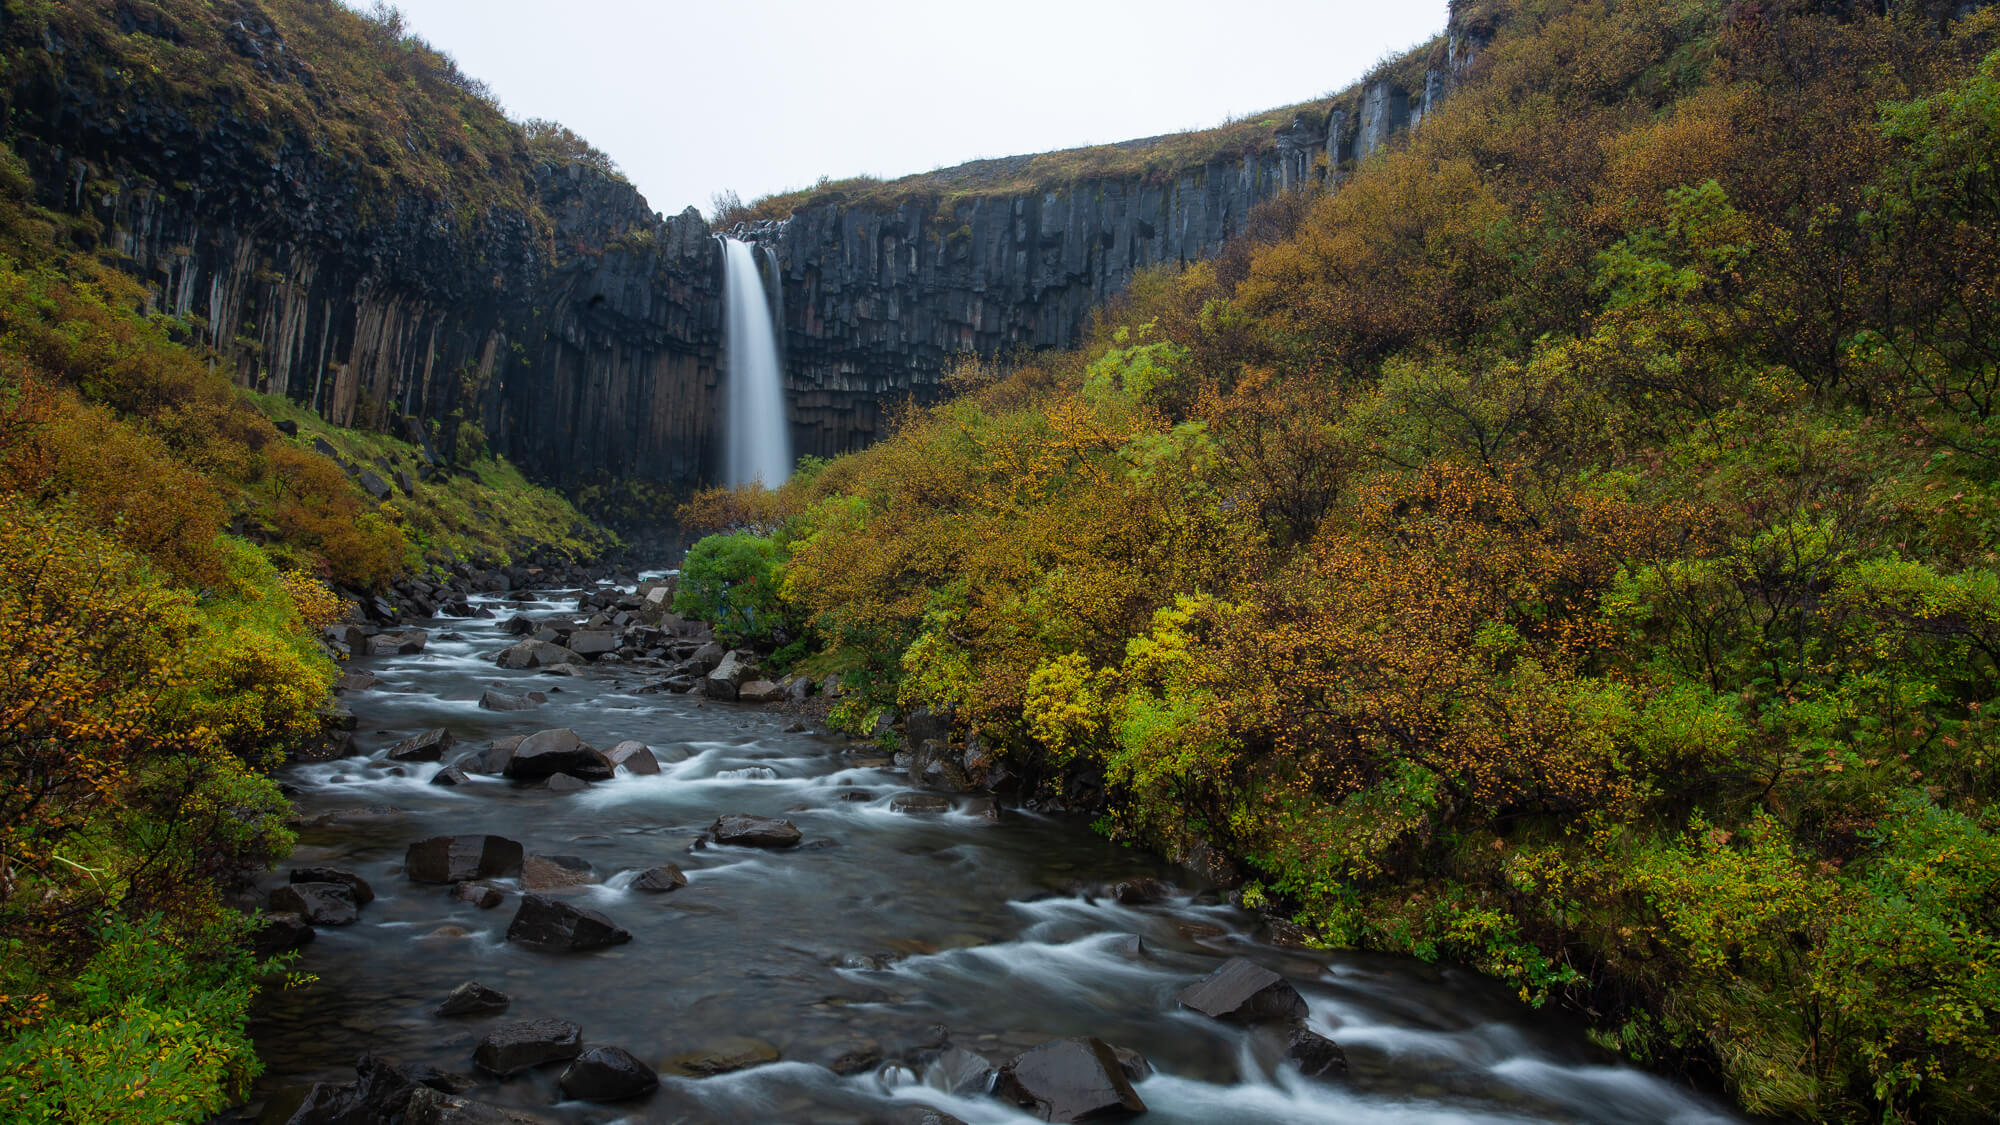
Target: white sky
{"type": "Point", "coordinates": [766, 95]}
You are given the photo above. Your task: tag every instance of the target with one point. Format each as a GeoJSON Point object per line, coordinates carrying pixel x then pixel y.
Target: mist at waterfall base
{"type": "Point", "coordinates": [758, 440]}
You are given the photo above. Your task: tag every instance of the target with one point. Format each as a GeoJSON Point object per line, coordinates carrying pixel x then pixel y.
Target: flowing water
{"type": "Point", "coordinates": [759, 449]}
{"type": "Point", "coordinates": [883, 933]}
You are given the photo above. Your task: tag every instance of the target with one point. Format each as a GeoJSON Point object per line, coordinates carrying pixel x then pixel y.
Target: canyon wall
{"type": "Point", "coordinates": [581, 333]}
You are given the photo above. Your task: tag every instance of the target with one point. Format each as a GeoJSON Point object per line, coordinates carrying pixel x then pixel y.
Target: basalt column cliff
{"type": "Point", "coordinates": [468, 287]}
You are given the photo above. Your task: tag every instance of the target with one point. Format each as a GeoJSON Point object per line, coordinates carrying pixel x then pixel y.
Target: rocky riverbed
{"type": "Point", "coordinates": [593, 885]}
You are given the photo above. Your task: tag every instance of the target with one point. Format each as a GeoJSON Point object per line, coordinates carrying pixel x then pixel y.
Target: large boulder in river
{"type": "Point", "coordinates": [493, 699]}
{"type": "Point", "coordinates": [1317, 1056]}
{"type": "Point", "coordinates": [404, 642]}
{"type": "Point", "coordinates": [536, 654]}
{"type": "Point", "coordinates": [554, 926]}
{"type": "Point", "coordinates": [760, 691]}
{"type": "Point", "coordinates": [426, 747]}
{"type": "Point", "coordinates": [1242, 991]}
{"type": "Point", "coordinates": [593, 643]}
{"type": "Point", "coordinates": [550, 752]}
{"type": "Point", "coordinates": [454, 859]}
{"type": "Point", "coordinates": [1069, 1080]}
{"type": "Point", "coordinates": [755, 832]}
{"type": "Point", "coordinates": [607, 1074]}
{"type": "Point", "coordinates": [660, 880]}
{"type": "Point", "coordinates": [634, 755]}
{"type": "Point", "coordinates": [526, 1044]}
{"type": "Point", "coordinates": [322, 904]}
{"type": "Point", "coordinates": [363, 893]}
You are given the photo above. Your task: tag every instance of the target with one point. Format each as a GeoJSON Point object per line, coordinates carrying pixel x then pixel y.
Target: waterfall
{"type": "Point", "coordinates": [759, 444]}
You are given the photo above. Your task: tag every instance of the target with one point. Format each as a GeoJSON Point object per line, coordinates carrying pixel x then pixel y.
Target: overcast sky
{"type": "Point", "coordinates": [760, 96]}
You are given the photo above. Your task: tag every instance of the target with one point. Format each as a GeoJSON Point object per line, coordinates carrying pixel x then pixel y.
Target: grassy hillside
{"type": "Point", "coordinates": [1569, 550]}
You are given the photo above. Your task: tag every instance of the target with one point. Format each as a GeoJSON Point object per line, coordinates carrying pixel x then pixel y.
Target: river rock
{"type": "Point", "coordinates": [722, 1057]}
{"type": "Point", "coordinates": [634, 755]}
{"type": "Point", "coordinates": [434, 1107]}
{"type": "Point", "coordinates": [520, 625]}
{"type": "Point", "coordinates": [493, 699]}
{"type": "Point", "coordinates": [322, 904]}
{"type": "Point", "coordinates": [485, 896]}
{"type": "Point", "coordinates": [1142, 892]}
{"type": "Point", "coordinates": [707, 657]}
{"type": "Point", "coordinates": [659, 880]}
{"type": "Point", "coordinates": [451, 775]}
{"type": "Point", "coordinates": [565, 783]}
{"type": "Point", "coordinates": [554, 926]}
{"type": "Point", "coordinates": [961, 1072]}
{"type": "Point", "coordinates": [355, 884]}
{"type": "Point", "coordinates": [473, 999]}
{"type": "Point", "coordinates": [493, 761]}
{"type": "Point", "coordinates": [402, 642]}
{"type": "Point", "coordinates": [549, 752]}
{"type": "Point", "coordinates": [1317, 1056]}
{"type": "Point", "coordinates": [592, 643]}
{"type": "Point", "coordinates": [1242, 991]}
{"type": "Point", "coordinates": [755, 832]}
{"type": "Point", "coordinates": [607, 1074]}
{"type": "Point", "coordinates": [532, 653]}
{"type": "Point", "coordinates": [760, 691]}
{"type": "Point", "coordinates": [454, 859]}
{"type": "Point", "coordinates": [426, 747]}
{"type": "Point", "coordinates": [356, 681]}
{"type": "Point", "coordinates": [915, 1115]}
{"type": "Point", "coordinates": [920, 804]}
{"type": "Point", "coordinates": [1069, 1080]}
{"type": "Point", "coordinates": [525, 1044]}
{"type": "Point", "coordinates": [552, 872]}
{"type": "Point", "coordinates": [282, 932]}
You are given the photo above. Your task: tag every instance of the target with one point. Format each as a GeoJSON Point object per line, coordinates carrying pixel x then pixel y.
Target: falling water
{"type": "Point", "coordinates": [759, 448]}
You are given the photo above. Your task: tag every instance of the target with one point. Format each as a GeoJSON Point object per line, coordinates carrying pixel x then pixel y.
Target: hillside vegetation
{"type": "Point", "coordinates": [1568, 550]}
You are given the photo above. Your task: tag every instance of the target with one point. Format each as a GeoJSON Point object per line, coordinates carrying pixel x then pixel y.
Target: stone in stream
{"type": "Point", "coordinates": [554, 926]}
{"type": "Point", "coordinates": [1142, 892]}
{"type": "Point", "coordinates": [760, 691]}
{"type": "Point", "coordinates": [755, 832]}
{"type": "Point", "coordinates": [961, 1072]}
{"type": "Point", "coordinates": [494, 760]}
{"type": "Point", "coordinates": [565, 783]}
{"type": "Point", "coordinates": [916, 1115]}
{"type": "Point", "coordinates": [355, 884]}
{"type": "Point", "coordinates": [451, 775]}
{"type": "Point", "coordinates": [473, 999]}
{"type": "Point", "coordinates": [591, 643]}
{"type": "Point", "coordinates": [1069, 1080]}
{"type": "Point", "coordinates": [520, 625]}
{"type": "Point", "coordinates": [550, 752]}
{"type": "Point", "coordinates": [1242, 991]}
{"type": "Point", "coordinates": [404, 642]}
{"type": "Point", "coordinates": [426, 747]}
{"type": "Point", "coordinates": [526, 1044]}
{"type": "Point", "coordinates": [920, 804]}
{"type": "Point", "coordinates": [282, 932]}
{"type": "Point", "coordinates": [1317, 1056]}
{"type": "Point", "coordinates": [322, 904]}
{"type": "Point", "coordinates": [607, 1074]}
{"type": "Point", "coordinates": [532, 653]}
{"type": "Point", "coordinates": [633, 755]}
{"type": "Point", "coordinates": [553, 872]}
{"type": "Point", "coordinates": [660, 880]}
{"type": "Point", "coordinates": [356, 681]}
{"type": "Point", "coordinates": [722, 1057]}
{"type": "Point", "coordinates": [454, 859]}
{"type": "Point", "coordinates": [493, 699]}
{"type": "Point", "coordinates": [485, 896]}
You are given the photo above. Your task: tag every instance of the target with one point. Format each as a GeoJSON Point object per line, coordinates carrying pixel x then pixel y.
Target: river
{"type": "Point", "coordinates": [886, 933]}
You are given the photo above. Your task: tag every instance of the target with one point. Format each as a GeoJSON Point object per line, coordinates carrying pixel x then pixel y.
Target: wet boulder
{"type": "Point", "coordinates": [497, 754]}
{"type": "Point", "coordinates": [526, 1044]}
{"type": "Point", "coordinates": [493, 699]}
{"type": "Point", "coordinates": [707, 657]}
{"type": "Point", "coordinates": [722, 1057]}
{"type": "Point", "coordinates": [607, 1074]}
{"type": "Point", "coordinates": [1242, 991]}
{"type": "Point", "coordinates": [535, 654]}
{"type": "Point", "coordinates": [451, 775]}
{"type": "Point", "coordinates": [1069, 1080]}
{"type": "Point", "coordinates": [429, 746]}
{"type": "Point", "coordinates": [356, 681]}
{"type": "Point", "coordinates": [400, 642]}
{"type": "Point", "coordinates": [455, 859]}
{"type": "Point", "coordinates": [355, 884]}
{"type": "Point", "coordinates": [436, 1107]}
{"type": "Point", "coordinates": [553, 872]}
{"type": "Point", "coordinates": [755, 832]}
{"type": "Point", "coordinates": [593, 643]}
{"type": "Point", "coordinates": [1316, 1055]}
{"type": "Point", "coordinates": [634, 755]}
{"type": "Point", "coordinates": [485, 896]}
{"type": "Point", "coordinates": [550, 752]}
{"type": "Point", "coordinates": [920, 804]}
{"type": "Point", "coordinates": [473, 999]}
{"type": "Point", "coordinates": [660, 880]}
{"type": "Point", "coordinates": [565, 783]}
{"type": "Point", "coordinates": [554, 926]}
{"type": "Point", "coordinates": [322, 904]}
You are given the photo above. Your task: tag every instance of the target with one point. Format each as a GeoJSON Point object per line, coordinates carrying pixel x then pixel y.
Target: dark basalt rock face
{"type": "Point", "coordinates": [578, 328]}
